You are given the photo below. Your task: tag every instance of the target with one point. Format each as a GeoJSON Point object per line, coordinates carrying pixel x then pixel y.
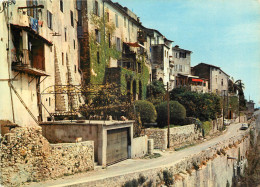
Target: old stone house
{"type": "Point", "coordinates": [39, 51]}
{"type": "Point", "coordinates": [161, 53]}
{"type": "Point", "coordinates": [114, 47]}
{"type": "Point", "coordinates": [217, 78]}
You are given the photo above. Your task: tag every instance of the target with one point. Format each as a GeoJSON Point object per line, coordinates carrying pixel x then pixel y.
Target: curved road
{"type": "Point", "coordinates": [135, 165]}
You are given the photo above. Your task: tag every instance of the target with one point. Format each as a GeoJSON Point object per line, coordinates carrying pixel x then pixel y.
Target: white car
{"type": "Point", "coordinates": [244, 126]}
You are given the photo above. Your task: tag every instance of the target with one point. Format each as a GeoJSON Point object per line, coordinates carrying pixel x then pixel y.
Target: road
{"type": "Point", "coordinates": [137, 165]}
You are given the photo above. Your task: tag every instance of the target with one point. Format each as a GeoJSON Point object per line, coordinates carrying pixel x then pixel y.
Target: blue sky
{"type": "Point", "coordinates": [225, 33]}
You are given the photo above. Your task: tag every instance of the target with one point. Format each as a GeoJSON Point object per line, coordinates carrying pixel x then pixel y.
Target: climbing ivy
{"type": "Point", "coordinates": [98, 66]}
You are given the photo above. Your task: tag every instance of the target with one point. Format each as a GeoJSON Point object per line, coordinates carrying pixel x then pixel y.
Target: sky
{"type": "Point", "coordinates": [224, 33]}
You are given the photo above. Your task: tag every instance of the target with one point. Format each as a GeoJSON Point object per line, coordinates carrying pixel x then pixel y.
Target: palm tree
{"type": "Point", "coordinates": [239, 86]}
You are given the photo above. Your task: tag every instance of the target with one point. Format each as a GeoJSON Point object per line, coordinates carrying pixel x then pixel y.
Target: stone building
{"type": "Point", "coordinates": [39, 49]}
{"type": "Point", "coordinates": [114, 47]}
{"type": "Point", "coordinates": [217, 78]}
{"type": "Point", "coordinates": [161, 53]}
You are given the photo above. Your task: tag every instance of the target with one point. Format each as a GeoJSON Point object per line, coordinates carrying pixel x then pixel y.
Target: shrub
{"type": "Point", "coordinates": [132, 183]}
{"type": "Point", "coordinates": [204, 106]}
{"type": "Point", "coordinates": [141, 179]}
{"type": "Point", "coordinates": [177, 113]}
{"type": "Point", "coordinates": [146, 110]}
{"type": "Point", "coordinates": [168, 177]}
{"type": "Point", "coordinates": [155, 89]}
{"type": "Point", "coordinates": [207, 126]}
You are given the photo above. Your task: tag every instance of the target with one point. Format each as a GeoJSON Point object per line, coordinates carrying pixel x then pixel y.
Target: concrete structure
{"type": "Point", "coordinates": [161, 54]}
{"type": "Point", "coordinates": [113, 140]}
{"type": "Point", "coordinates": [114, 46]}
{"type": "Point", "coordinates": [39, 50]}
{"type": "Point", "coordinates": [217, 78]}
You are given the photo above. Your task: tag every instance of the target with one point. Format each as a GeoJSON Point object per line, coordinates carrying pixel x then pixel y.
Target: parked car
{"type": "Point", "coordinates": [244, 126]}
{"type": "Point", "coordinates": [227, 122]}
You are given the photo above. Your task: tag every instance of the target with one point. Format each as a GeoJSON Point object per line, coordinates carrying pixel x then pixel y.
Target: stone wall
{"type": "Point", "coordinates": [183, 135]}
{"type": "Point", "coordinates": [159, 137]}
{"type": "Point", "coordinates": [217, 125]}
{"type": "Point", "coordinates": [215, 166]}
{"type": "Point", "coordinates": [27, 156]}
{"type": "Point", "coordinates": [139, 146]}
{"type": "Point", "coordinates": [179, 136]}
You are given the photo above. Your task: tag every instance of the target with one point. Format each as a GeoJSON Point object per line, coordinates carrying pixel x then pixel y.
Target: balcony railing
{"type": "Point", "coordinates": [29, 63]}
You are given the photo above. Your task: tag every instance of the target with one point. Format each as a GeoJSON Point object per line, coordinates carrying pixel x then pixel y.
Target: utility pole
{"type": "Point", "coordinates": [168, 111]}
{"type": "Point", "coordinates": [224, 106]}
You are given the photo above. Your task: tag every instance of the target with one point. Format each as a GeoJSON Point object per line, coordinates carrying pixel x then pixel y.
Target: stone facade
{"type": "Point", "coordinates": [159, 137]}
{"type": "Point", "coordinates": [27, 156]}
{"type": "Point", "coordinates": [179, 136]}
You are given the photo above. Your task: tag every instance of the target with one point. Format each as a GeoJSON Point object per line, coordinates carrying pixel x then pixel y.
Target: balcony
{"type": "Point", "coordinates": [28, 63]}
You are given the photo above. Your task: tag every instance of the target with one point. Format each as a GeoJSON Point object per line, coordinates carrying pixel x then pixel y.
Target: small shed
{"type": "Point", "coordinates": [112, 139]}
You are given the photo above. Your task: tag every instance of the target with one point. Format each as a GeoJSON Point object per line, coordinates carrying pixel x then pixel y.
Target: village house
{"type": "Point", "coordinates": [217, 78]}
{"type": "Point", "coordinates": [181, 70]}
{"type": "Point", "coordinates": [114, 47]}
{"type": "Point", "coordinates": [161, 54]}
{"type": "Point", "coordinates": [39, 49]}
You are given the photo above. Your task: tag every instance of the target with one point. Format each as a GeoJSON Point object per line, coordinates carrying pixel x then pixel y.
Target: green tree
{"type": "Point", "coordinates": [177, 113]}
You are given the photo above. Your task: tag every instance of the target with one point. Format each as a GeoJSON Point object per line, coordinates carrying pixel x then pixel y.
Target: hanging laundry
{"type": "Point", "coordinates": [34, 24]}
{"type": "Point", "coordinates": [40, 23]}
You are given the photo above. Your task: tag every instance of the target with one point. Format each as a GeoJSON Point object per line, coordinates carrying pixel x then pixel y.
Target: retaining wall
{"type": "Point", "coordinates": [179, 136]}
{"type": "Point", "coordinates": [210, 168]}
{"type": "Point", "coordinates": [27, 156]}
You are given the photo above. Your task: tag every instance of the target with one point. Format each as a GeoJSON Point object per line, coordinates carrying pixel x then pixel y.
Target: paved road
{"type": "Point", "coordinates": [135, 165]}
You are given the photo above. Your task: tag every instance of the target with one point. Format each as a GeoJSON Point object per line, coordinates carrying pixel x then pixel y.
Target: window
{"type": "Point", "coordinates": [62, 58]}
{"type": "Point", "coordinates": [158, 39]}
{"type": "Point", "coordinates": [182, 55]}
{"type": "Point", "coordinates": [165, 53]}
{"type": "Point", "coordinates": [222, 82]}
{"type": "Point", "coordinates": [49, 19]}
{"type": "Point", "coordinates": [118, 44]}
{"type": "Point", "coordinates": [180, 68]}
{"type": "Point", "coordinates": [74, 43]}
{"type": "Point", "coordinates": [124, 21]}
{"type": "Point", "coordinates": [61, 5]}
{"type": "Point", "coordinates": [97, 34]}
{"type": "Point", "coordinates": [96, 8]}
{"type": "Point", "coordinates": [33, 12]}
{"type": "Point", "coordinates": [75, 68]}
{"type": "Point", "coordinates": [116, 21]}
{"type": "Point", "coordinates": [71, 19]}
{"type": "Point", "coordinates": [107, 16]}
{"type": "Point", "coordinates": [98, 60]}
{"type": "Point", "coordinates": [109, 40]}
{"type": "Point", "coordinates": [176, 55]}
{"type": "Point", "coordinates": [65, 34]}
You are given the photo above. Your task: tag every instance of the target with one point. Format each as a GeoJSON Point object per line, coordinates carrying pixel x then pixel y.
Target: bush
{"type": "Point", "coordinates": [168, 177]}
{"type": "Point", "coordinates": [155, 89]}
{"type": "Point", "coordinates": [204, 106]}
{"type": "Point", "coordinates": [146, 110]}
{"type": "Point", "coordinates": [207, 126]}
{"type": "Point", "coordinates": [177, 113]}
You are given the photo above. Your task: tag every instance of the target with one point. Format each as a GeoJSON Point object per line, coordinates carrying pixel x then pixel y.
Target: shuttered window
{"type": "Point", "coordinates": [49, 19]}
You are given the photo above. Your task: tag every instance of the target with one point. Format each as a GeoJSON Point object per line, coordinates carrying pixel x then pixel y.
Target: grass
{"type": "Point", "coordinates": [149, 156]}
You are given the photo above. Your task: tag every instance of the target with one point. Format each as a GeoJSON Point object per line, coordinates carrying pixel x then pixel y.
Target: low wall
{"type": "Point", "coordinates": [27, 156]}
{"type": "Point", "coordinates": [139, 146]}
{"type": "Point", "coordinates": [179, 136]}
{"type": "Point", "coordinates": [159, 137]}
